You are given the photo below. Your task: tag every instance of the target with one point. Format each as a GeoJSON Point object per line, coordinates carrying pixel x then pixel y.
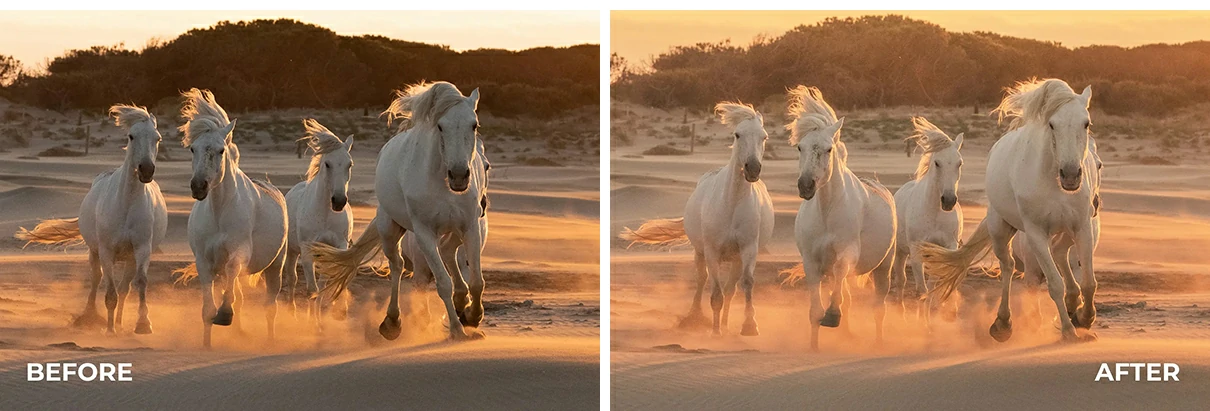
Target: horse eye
{"type": "Point", "coordinates": [937, 164]}
{"type": "Point", "coordinates": [475, 127]}
{"type": "Point", "coordinates": [1087, 125]}
{"type": "Point", "coordinates": [190, 149]}
{"type": "Point", "coordinates": [799, 148]}
{"type": "Point", "coordinates": [737, 136]}
{"type": "Point", "coordinates": [1100, 166]}
{"type": "Point", "coordinates": [439, 129]}
{"type": "Point", "coordinates": [829, 150]}
{"type": "Point", "coordinates": [220, 151]}
{"type": "Point", "coordinates": [131, 136]}
{"type": "Point", "coordinates": [1052, 126]}
{"type": "Point", "coordinates": [326, 165]}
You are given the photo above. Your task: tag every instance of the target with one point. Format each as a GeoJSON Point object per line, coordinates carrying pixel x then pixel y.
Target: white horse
{"type": "Point", "coordinates": [316, 207]}
{"type": "Point", "coordinates": [927, 206]}
{"type": "Point", "coordinates": [122, 220]}
{"type": "Point", "coordinates": [1036, 185]}
{"type": "Point", "coordinates": [429, 183]}
{"type": "Point", "coordinates": [452, 254]}
{"type": "Point", "coordinates": [729, 218]}
{"type": "Point", "coordinates": [846, 225]}
{"type": "Point", "coordinates": [1060, 246]}
{"type": "Point", "coordinates": [238, 225]}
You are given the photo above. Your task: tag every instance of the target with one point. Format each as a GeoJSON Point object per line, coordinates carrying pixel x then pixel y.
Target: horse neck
{"type": "Point", "coordinates": [734, 186]}
{"type": "Point", "coordinates": [226, 187]}
{"type": "Point", "coordinates": [319, 187]}
{"type": "Point", "coordinates": [833, 190]}
{"type": "Point", "coordinates": [1038, 145]}
{"type": "Point", "coordinates": [429, 142]}
{"type": "Point", "coordinates": [927, 184]}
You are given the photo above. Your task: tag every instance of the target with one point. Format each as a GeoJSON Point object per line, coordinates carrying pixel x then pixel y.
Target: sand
{"type": "Point", "coordinates": [1153, 300]}
{"type": "Point", "coordinates": [542, 297]}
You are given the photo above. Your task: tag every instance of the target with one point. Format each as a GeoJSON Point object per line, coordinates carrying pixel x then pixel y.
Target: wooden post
{"type": "Point", "coordinates": [692, 137]}
{"type": "Point", "coordinates": [87, 139]}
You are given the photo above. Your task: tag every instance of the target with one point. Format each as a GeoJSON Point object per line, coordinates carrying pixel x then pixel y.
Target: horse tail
{"type": "Point", "coordinates": [953, 265]}
{"type": "Point", "coordinates": [340, 266]}
{"type": "Point", "coordinates": [54, 232]}
{"type": "Point", "coordinates": [185, 274]}
{"type": "Point", "coordinates": [792, 275]}
{"type": "Point", "coordinates": [668, 232]}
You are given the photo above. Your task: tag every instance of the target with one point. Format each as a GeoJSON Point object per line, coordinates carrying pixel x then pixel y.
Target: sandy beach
{"type": "Point", "coordinates": [541, 267]}
{"type": "Point", "coordinates": [1153, 299]}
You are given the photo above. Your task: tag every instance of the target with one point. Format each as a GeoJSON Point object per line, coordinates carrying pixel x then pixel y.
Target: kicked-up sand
{"type": "Point", "coordinates": [542, 299]}
{"type": "Point", "coordinates": [1153, 300]}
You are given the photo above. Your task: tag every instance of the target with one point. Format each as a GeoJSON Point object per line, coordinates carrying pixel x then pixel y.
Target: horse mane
{"type": "Point", "coordinates": [321, 141]}
{"type": "Point", "coordinates": [424, 102]}
{"type": "Point", "coordinates": [733, 113]}
{"type": "Point", "coordinates": [202, 114]}
{"type": "Point", "coordinates": [809, 111]}
{"type": "Point", "coordinates": [129, 115]}
{"type": "Point", "coordinates": [929, 139]}
{"type": "Point", "coordinates": [1034, 100]}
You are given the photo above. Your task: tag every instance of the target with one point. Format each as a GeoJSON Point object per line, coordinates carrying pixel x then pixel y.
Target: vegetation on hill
{"type": "Point", "coordinates": [881, 61]}
{"type": "Point", "coordinates": [272, 64]}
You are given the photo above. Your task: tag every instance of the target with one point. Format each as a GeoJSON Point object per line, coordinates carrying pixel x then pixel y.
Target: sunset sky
{"type": "Point", "coordinates": [33, 36]}
{"type": "Point", "coordinates": [640, 35]}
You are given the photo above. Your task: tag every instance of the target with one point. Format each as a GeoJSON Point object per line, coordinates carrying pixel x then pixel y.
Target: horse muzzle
{"type": "Point", "coordinates": [806, 189]}
{"type": "Point", "coordinates": [459, 180]}
{"type": "Point", "coordinates": [339, 203]}
{"type": "Point", "coordinates": [199, 188]}
{"type": "Point", "coordinates": [752, 171]}
{"type": "Point", "coordinates": [146, 172]}
{"type": "Point", "coordinates": [1071, 177]}
{"type": "Point", "coordinates": [948, 202]}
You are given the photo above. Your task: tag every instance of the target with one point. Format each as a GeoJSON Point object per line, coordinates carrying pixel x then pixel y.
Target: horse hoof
{"type": "Point", "coordinates": [1001, 330]}
{"type": "Point", "coordinates": [142, 327]}
{"type": "Point", "coordinates": [750, 330]}
{"type": "Point", "coordinates": [1084, 321]}
{"type": "Point", "coordinates": [390, 328]}
{"type": "Point", "coordinates": [470, 335]}
{"type": "Point", "coordinates": [831, 319]}
{"type": "Point", "coordinates": [693, 321]}
{"type": "Point", "coordinates": [223, 317]}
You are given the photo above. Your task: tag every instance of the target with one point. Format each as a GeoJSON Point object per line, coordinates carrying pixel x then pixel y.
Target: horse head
{"type": "Point", "coordinates": [749, 147]}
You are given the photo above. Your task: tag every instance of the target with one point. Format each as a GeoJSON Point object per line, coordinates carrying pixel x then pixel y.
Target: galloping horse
{"type": "Point", "coordinates": [845, 225]}
{"type": "Point", "coordinates": [430, 184]}
{"type": "Point", "coordinates": [1036, 184]}
{"type": "Point", "coordinates": [927, 206]}
{"type": "Point", "coordinates": [316, 207]}
{"type": "Point", "coordinates": [729, 217]}
{"type": "Point", "coordinates": [238, 225]}
{"type": "Point", "coordinates": [123, 219]}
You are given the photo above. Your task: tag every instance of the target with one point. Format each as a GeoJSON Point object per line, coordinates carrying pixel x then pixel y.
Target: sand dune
{"type": "Point", "coordinates": [1153, 299]}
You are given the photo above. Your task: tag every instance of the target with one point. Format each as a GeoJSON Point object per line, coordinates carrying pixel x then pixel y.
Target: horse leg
{"type": "Point", "coordinates": [272, 279]}
{"type": "Point", "coordinates": [899, 280]}
{"type": "Point", "coordinates": [462, 299]}
{"type": "Point", "coordinates": [846, 301]}
{"type": "Point", "coordinates": [91, 315]}
{"type": "Point", "coordinates": [747, 263]}
{"type": "Point", "coordinates": [124, 282]}
{"type": "Point", "coordinates": [290, 276]}
{"type": "Point", "coordinates": [729, 289]}
{"type": "Point", "coordinates": [840, 270]}
{"type": "Point", "coordinates": [1071, 289]}
{"type": "Point", "coordinates": [1001, 237]}
{"type": "Point", "coordinates": [111, 291]}
{"type": "Point", "coordinates": [229, 279]}
{"type": "Point", "coordinates": [426, 241]}
{"type": "Point", "coordinates": [714, 269]}
{"type": "Point", "coordinates": [473, 247]}
{"type": "Point", "coordinates": [1087, 312]}
{"type": "Point", "coordinates": [1039, 242]}
{"type": "Point", "coordinates": [813, 275]}
{"type": "Point", "coordinates": [882, 286]}
{"type": "Point", "coordinates": [417, 297]}
{"type": "Point", "coordinates": [205, 274]}
{"type": "Point", "coordinates": [308, 267]}
{"type": "Point", "coordinates": [390, 233]}
{"type": "Point", "coordinates": [924, 305]}
{"type": "Point", "coordinates": [142, 260]}
{"type": "Point", "coordinates": [696, 317]}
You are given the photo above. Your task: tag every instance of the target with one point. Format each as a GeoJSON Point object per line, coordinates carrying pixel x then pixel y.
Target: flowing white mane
{"type": "Point", "coordinates": [129, 115]}
{"type": "Point", "coordinates": [321, 141]}
{"type": "Point", "coordinates": [424, 102]}
{"type": "Point", "coordinates": [202, 114]}
{"type": "Point", "coordinates": [809, 111]}
{"type": "Point", "coordinates": [929, 139]}
{"type": "Point", "coordinates": [734, 113]}
{"type": "Point", "coordinates": [1034, 100]}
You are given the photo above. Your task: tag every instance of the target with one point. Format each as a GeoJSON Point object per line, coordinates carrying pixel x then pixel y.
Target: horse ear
{"type": "Point", "coordinates": [1087, 94]}
{"type": "Point", "coordinates": [836, 129]}
{"type": "Point", "coordinates": [958, 140]}
{"type": "Point", "coordinates": [474, 99]}
{"type": "Point", "coordinates": [349, 143]}
{"type": "Point", "coordinates": [227, 131]}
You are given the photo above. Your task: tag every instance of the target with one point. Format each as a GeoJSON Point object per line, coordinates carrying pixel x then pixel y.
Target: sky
{"type": "Point", "coordinates": [640, 35]}
{"type": "Point", "coordinates": [34, 36]}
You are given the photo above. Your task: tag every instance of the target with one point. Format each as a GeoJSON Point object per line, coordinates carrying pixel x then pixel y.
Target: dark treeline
{"type": "Point", "coordinates": [268, 64]}
{"type": "Point", "coordinates": [879, 61]}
